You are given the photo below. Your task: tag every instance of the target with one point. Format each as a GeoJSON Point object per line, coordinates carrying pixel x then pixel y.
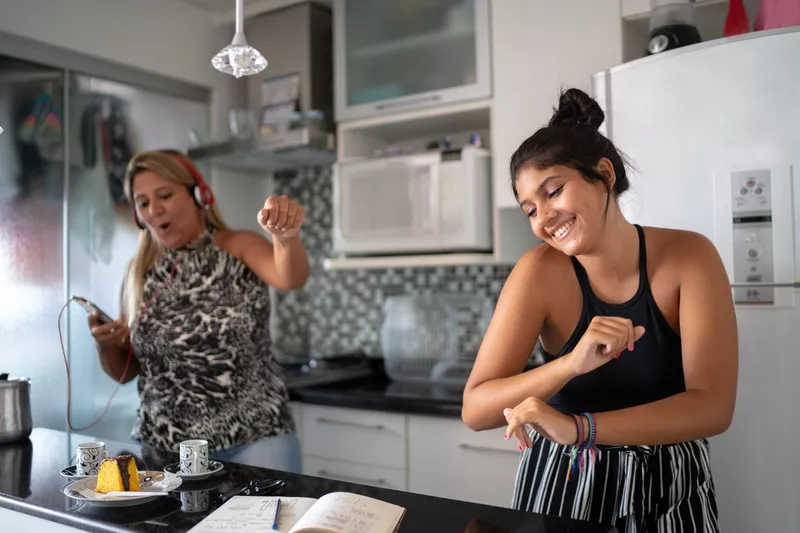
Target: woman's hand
{"type": "Point", "coordinates": [282, 217]}
{"type": "Point", "coordinates": [543, 419]}
{"type": "Point", "coordinates": [605, 339]}
{"type": "Point", "coordinates": [114, 333]}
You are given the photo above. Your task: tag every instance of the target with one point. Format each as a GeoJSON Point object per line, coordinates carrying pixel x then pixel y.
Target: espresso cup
{"type": "Point", "coordinates": [88, 456]}
{"type": "Point", "coordinates": [194, 456]}
{"type": "Point", "coordinates": [195, 501]}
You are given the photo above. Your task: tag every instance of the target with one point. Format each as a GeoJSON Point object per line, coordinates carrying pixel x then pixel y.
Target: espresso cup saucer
{"type": "Point", "coordinates": [71, 472]}
{"type": "Point", "coordinates": [213, 468]}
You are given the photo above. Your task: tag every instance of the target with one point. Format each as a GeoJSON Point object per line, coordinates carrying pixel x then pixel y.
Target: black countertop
{"type": "Point", "coordinates": [361, 382]}
{"type": "Point", "coordinates": [377, 392]}
{"type": "Point", "coordinates": [30, 483]}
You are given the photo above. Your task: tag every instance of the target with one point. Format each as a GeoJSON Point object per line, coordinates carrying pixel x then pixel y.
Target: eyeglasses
{"type": "Point", "coordinates": [254, 488]}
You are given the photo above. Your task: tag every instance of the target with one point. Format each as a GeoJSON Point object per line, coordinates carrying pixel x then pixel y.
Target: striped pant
{"type": "Point", "coordinates": [638, 489]}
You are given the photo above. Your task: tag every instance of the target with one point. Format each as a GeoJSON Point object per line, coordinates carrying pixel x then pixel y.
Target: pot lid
{"type": "Point", "coordinates": [9, 382]}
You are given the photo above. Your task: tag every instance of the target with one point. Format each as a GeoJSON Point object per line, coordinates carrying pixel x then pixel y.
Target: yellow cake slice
{"type": "Point", "coordinates": [118, 474]}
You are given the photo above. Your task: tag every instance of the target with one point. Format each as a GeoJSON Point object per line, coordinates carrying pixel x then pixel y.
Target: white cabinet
{"type": "Point", "coordinates": [447, 459]}
{"type": "Point", "coordinates": [538, 48]}
{"type": "Point", "coordinates": [367, 447]}
{"type": "Point", "coordinates": [398, 55]}
{"type": "Point", "coordinates": [437, 456]}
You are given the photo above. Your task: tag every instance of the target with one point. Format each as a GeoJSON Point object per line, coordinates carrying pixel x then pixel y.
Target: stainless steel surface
{"type": "Point", "coordinates": [297, 148]}
{"type": "Point", "coordinates": [15, 409]}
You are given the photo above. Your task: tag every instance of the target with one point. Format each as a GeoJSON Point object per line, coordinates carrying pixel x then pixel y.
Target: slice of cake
{"type": "Point", "coordinates": [118, 474]}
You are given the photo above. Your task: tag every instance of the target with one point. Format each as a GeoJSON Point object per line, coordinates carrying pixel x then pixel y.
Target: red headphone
{"type": "Point", "coordinates": [201, 192]}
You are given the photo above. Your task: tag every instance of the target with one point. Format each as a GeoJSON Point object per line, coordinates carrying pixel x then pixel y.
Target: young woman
{"type": "Point", "coordinates": [640, 341]}
{"type": "Point", "coordinates": [196, 296]}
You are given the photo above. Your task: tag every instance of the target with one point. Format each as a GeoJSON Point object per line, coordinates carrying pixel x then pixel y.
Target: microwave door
{"type": "Point", "coordinates": [386, 206]}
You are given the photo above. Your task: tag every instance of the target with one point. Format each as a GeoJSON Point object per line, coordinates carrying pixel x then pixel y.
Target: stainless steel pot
{"type": "Point", "coordinates": [15, 409]}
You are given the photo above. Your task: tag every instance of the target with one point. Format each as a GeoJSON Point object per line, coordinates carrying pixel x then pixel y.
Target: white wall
{"type": "Point", "coordinates": [538, 47]}
{"type": "Point", "coordinates": [166, 37]}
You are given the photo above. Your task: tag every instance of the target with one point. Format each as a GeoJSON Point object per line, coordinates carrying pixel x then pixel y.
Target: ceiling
{"type": "Point", "coordinates": [223, 11]}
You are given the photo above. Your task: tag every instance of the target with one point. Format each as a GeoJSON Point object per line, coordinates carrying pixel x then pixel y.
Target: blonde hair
{"type": "Point", "coordinates": [172, 166]}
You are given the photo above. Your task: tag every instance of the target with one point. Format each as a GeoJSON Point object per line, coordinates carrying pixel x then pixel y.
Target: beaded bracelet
{"type": "Point", "coordinates": [582, 444]}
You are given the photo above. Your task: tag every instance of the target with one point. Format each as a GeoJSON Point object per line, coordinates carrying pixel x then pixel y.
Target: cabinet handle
{"type": "Point", "coordinates": [465, 446]}
{"type": "Point", "coordinates": [412, 101]}
{"type": "Point", "coordinates": [325, 473]}
{"type": "Point", "coordinates": [379, 427]}
{"type": "Point", "coordinates": [795, 285]}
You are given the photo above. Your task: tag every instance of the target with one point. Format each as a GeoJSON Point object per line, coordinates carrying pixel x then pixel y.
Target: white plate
{"type": "Point", "coordinates": [164, 483]}
{"type": "Point", "coordinates": [71, 472]}
{"type": "Point", "coordinates": [213, 468]}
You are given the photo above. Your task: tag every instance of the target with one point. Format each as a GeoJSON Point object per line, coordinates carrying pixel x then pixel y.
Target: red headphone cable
{"type": "Point", "coordinates": [127, 364]}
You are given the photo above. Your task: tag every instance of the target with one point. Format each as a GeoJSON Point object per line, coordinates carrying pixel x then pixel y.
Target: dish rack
{"type": "Point", "coordinates": [433, 338]}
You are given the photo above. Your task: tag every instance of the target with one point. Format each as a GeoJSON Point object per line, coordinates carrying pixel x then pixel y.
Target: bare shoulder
{"type": "Point", "coordinates": [542, 266]}
{"type": "Point", "coordinates": [238, 242]}
{"type": "Point", "coordinates": [680, 249]}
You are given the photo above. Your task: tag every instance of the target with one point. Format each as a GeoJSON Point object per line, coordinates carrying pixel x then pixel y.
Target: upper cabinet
{"type": "Point", "coordinates": [394, 56]}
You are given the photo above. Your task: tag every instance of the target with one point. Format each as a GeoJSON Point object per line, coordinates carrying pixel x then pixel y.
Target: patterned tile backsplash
{"type": "Point", "coordinates": [342, 310]}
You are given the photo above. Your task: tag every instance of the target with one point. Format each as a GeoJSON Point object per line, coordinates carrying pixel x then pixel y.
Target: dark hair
{"type": "Point", "coordinates": [571, 139]}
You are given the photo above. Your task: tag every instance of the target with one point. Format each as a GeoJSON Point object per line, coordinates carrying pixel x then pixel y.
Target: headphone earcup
{"type": "Point", "coordinates": [203, 201]}
{"type": "Point", "coordinates": [197, 194]}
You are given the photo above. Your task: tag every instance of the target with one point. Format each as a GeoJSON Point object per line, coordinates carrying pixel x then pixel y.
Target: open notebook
{"type": "Point", "coordinates": [337, 512]}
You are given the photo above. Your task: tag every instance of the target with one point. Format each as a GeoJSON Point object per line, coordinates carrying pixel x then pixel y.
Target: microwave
{"type": "Point", "coordinates": [430, 202]}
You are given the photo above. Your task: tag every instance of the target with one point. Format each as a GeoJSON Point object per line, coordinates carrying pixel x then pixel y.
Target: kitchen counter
{"type": "Point", "coordinates": [362, 382]}
{"type": "Point", "coordinates": [30, 483]}
{"type": "Point", "coordinates": [377, 392]}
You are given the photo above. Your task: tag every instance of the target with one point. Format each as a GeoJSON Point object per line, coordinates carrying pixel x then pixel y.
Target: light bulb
{"type": "Point", "coordinates": [239, 58]}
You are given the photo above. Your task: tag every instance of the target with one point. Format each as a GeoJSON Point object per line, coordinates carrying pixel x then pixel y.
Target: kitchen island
{"type": "Point", "coordinates": [31, 497]}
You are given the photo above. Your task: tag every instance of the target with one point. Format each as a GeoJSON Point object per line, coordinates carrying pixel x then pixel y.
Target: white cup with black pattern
{"type": "Point", "coordinates": [194, 456]}
{"type": "Point", "coordinates": [88, 456]}
{"type": "Point", "coordinates": [195, 501]}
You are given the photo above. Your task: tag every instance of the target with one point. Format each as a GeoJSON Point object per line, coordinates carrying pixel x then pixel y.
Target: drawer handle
{"type": "Point", "coordinates": [465, 446]}
{"type": "Point", "coordinates": [325, 473]}
{"type": "Point", "coordinates": [379, 427]}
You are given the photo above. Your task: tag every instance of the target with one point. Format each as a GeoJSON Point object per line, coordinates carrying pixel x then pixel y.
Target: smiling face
{"type": "Point", "coordinates": [167, 209]}
{"type": "Point", "coordinates": [565, 210]}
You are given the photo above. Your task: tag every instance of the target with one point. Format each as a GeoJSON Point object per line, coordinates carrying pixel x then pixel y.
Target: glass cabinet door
{"type": "Point", "coordinates": [396, 55]}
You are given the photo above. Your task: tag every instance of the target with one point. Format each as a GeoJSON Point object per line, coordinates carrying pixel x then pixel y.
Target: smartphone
{"type": "Point", "coordinates": [91, 307]}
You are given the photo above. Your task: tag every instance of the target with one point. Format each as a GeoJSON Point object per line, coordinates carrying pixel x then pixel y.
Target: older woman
{"type": "Point", "coordinates": [195, 319]}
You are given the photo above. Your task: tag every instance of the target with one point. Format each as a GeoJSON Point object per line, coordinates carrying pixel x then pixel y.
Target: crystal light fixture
{"type": "Point", "coordinates": [239, 58]}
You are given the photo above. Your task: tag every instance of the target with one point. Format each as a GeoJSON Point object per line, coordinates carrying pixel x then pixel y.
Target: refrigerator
{"type": "Point", "coordinates": [713, 133]}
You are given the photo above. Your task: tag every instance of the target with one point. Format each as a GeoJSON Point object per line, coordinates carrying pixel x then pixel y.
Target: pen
{"type": "Point", "coordinates": [277, 512]}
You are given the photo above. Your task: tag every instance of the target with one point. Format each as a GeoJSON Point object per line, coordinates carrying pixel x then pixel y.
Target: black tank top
{"type": "Point", "coordinates": [653, 371]}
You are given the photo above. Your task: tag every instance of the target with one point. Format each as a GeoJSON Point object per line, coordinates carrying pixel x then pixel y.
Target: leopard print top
{"type": "Point", "coordinates": [203, 345]}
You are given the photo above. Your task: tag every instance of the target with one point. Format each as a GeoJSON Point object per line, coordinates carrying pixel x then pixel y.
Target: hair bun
{"type": "Point", "coordinates": [575, 107]}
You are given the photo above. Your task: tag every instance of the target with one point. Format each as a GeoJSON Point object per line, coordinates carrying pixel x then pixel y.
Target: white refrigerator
{"type": "Point", "coordinates": [713, 131]}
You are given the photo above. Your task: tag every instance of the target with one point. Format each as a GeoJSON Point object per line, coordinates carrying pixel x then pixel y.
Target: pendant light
{"type": "Point", "coordinates": [239, 58]}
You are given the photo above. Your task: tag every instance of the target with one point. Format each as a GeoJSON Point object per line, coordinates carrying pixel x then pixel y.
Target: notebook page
{"type": "Point", "coordinates": [254, 514]}
{"type": "Point", "coordinates": [341, 512]}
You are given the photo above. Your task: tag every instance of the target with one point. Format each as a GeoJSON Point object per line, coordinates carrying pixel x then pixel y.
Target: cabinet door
{"type": "Point", "coordinates": [447, 459]}
{"type": "Point", "coordinates": [374, 476]}
{"type": "Point", "coordinates": [367, 437]}
{"type": "Point", "coordinates": [394, 55]}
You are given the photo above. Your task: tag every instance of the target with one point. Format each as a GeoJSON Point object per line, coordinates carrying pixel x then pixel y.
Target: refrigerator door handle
{"type": "Point", "coordinates": [795, 285]}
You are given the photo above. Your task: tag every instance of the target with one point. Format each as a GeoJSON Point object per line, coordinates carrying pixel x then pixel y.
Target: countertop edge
{"type": "Point", "coordinates": [60, 517]}
{"type": "Point", "coordinates": [326, 397]}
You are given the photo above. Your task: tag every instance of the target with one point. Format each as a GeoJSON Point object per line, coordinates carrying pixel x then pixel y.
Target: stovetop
{"type": "Point", "coordinates": [308, 371]}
